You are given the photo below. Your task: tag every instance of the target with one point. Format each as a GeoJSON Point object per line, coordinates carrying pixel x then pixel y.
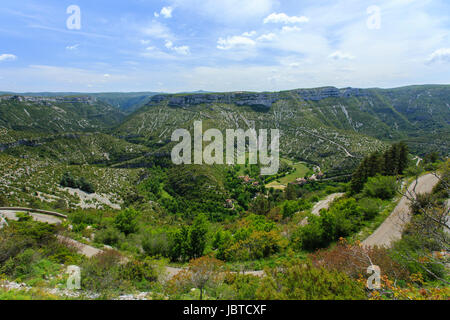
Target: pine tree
{"type": "Point", "coordinates": [403, 158]}
{"type": "Point", "coordinates": [197, 236]}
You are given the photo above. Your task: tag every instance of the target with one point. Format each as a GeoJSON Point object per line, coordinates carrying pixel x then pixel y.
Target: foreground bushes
{"type": "Point", "coordinates": [381, 187]}
{"type": "Point", "coordinates": [109, 272]}
{"type": "Point", "coordinates": [296, 280]}
{"type": "Point", "coordinates": [30, 249]}
{"type": "Point", "coordinates": [341, 220]}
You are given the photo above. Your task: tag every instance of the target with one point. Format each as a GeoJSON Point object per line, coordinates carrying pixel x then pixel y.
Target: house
{"type": "Point", "coordinates": [229, 203]}
{"type": "Point", "coordinates": [320, 175]}
{"type": "Point", "coordinates": [313, 178]}
{"type": "Point", "coordinates": [300, 181]}
{"type": "Point", "coordinates": [246, 179]}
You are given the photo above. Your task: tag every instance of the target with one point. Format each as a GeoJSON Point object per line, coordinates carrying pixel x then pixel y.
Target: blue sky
{"type": "Point", "coordinates": [222, 45]}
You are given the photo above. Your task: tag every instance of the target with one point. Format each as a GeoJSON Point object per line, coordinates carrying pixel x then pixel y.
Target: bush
{"type": "Point", "coordinates": [156, 244]}
{"type": "Point", "coordinates": [126, 222]}
{"type": "Point", "coordinates": [69, 181]}
{"type": "Point", "coordinates": [109, 236]}
{"type": "Point", "coordinates": [106, 273]}
{"type": "Point", "coordinates": [370, 207]}
{"type": "Point", "coordinates": [353, 261]}
{"type": "Point", "coordinates": [382, 187]}
{"type": "Point", "coordinates": [3, 200]}
{"type": "Point", "coordinates": [423, 201]}
{"type": "Point", "coordinates": [296, 280]}
{"type": "Point", "coordinates": [341, 220]}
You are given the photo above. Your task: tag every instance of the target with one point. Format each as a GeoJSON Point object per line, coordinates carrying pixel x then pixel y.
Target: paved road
{"type": "Point", "coordinates": [84, 249]}
{"type": "Point", "coordinates": [392, 228]}
{"type": "Point", "coordinates": [325, 204]}
{"type": "Point", "coordinates": [11, 215]}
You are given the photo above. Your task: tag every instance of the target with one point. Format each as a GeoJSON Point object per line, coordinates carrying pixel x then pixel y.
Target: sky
{"type": "Point", "coordinates": [221, 45]}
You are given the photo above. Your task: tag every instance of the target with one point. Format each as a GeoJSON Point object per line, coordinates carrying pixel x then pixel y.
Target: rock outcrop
{"type": "Point", "coordinates": [47, 100]}
{"type": "Point", "coordinates": [264, 100]}
{"type": "Point", "coordinates": [239, 98]}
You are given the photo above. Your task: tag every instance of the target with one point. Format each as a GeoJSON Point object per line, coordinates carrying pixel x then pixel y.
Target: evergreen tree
{"type": "Point", "coordinates": [403, 158]}
{"type": "Point", "coordinates": [197, 236]}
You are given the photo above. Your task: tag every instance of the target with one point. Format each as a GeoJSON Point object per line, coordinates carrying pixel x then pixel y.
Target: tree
{"type": "Point", "coordinates": [180, 247]}
{"type": "Point", "coordinates": [390, 163]}
{"type": "Point", "coordinates": [197, 236]}
{"type": "Point", "coordinates": [126, 222]}
{"type": "Point", "coordinates": [202, 273]}
{"type": "Point", "coordinates": [291, 192]}
{"type": "Point", "coordinates": [260, 205]}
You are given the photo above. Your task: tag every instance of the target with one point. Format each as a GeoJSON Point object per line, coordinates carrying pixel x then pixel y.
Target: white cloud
{"type": "Point", "coordinates": [74, 47]}
{"type": "Point", "coordinates": [440, 55]}
{"type": "Point", "coordinates": [145, 42]}
{"type": "Point", "coordinates": [285, 19]}
{"type": "Point", "coordinates": [157, 30]}
{"type": "Point", "coordinates": [249, 34]}
{"type": "Point", "coordinates": [339, 55]}
{"type": "Point", "coordinates": [267, 37]}
{"type": "Point", "coordinates": [166, 12]}
{"type": "Point", "coordinates": [287, 29]}
{"type": "Point", "coordinates": [7, 57]}
{"type": "Point", "coordinates": [182, 50]}
{"type": "Point", "coordinates": [235, 11]}
{"type": "Point", "coordinates": [234, 41]}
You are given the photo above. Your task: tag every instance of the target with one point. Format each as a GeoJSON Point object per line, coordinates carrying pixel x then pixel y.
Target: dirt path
{"type": "Point", "coordinates": [391, 229]}
{"type": "Point", "coordinates": [325, 204]}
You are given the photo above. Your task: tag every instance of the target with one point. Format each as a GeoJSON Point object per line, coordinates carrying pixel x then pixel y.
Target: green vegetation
{"type": "Point", "coordinates": [68, 180]}
{"type": "Point", "coordinates": [390, 163]}
{"type": "Point", "coordinates": [147, 214]}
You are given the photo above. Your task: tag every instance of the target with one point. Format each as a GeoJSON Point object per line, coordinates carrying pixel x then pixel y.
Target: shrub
{"type": "Point", "coordinates": [422, 202]}
{"type": "Point", "coordinates": [156, 244]}
{"type": "Point", "coordinates": [353, 261]}
{"type": "Point", "coordinates": [370, 207]}
{"type": "Point", "coordinates": [296, 280]}
{"type": "Point", "coordinates": [126, 222]}
{"type": "Point", "coordinates": [109, 236]}
{"type": "Point", "coordinates": [69, 181]}
{"type": "Point", "coordinates": [3, 200]}
{"type": "Point", "coordinates": [382, 187]}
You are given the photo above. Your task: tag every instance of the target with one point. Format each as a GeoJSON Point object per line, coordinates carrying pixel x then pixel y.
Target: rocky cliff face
{"type": "Point", "coordinates": [254, 99]}
{"type": "Point", "coordinates": [329, 92]}
{"type": "Point", "coordinates": [48, 100]}
{"type": "Point", "coordinates": [240, 99]}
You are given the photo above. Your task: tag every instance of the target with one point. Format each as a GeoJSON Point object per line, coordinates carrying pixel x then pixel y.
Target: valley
{"type": "Point", "coordinates": [104, 162]}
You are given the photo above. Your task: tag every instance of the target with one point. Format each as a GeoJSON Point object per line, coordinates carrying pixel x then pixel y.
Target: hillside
{"type": "Point", "coordinates": [56, 114]}
{"type": "Point", "coordinates": [329, 127]}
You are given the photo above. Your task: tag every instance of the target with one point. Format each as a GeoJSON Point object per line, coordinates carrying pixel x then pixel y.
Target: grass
{"type": "Point", "coordinates": [299, 171]}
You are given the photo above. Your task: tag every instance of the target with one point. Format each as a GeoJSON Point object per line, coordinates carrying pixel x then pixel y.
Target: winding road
{"type": "Point", "coordinates": [325, 203]}
{"type": "Point", "coordinates": [392, 228]}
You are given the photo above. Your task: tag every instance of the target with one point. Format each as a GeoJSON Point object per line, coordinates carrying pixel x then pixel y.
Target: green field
{"type": "Point", "coordinates": [300, 170]}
